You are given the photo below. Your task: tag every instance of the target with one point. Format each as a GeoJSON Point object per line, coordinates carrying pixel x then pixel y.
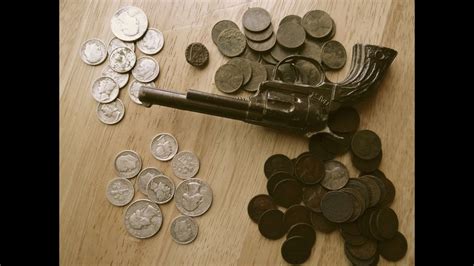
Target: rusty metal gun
{"type": "Point", "coordinates": [296, 107]}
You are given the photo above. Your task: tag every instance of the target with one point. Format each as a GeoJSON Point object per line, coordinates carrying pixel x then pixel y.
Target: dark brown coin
{"type": "Point", "coordinates": [276, 163]}
{"type": "Point", "coordinates": [291, 18]}
{"type": "Point", "coordinates": [304, 230]}
{"type": "Point", "coordinates": [269, 69]}
{"type": "Point", "coordinates": [291, 35]}
{"type": "Point", "coordinates": [359, 203]}
{"type": "Point", "coordinates": [259, 75]}
{"type": "Point", "coordinates": [275, 179]}
{"type": "Point", "coordinates": [322, 224]}
{"type": "Point", "coordinates": [364, 251]}
{"type": "Point", "coordinates": [258, 205]}
{"type": "Point", "coordinates": [259, 36]}
{"type": "Point", "coordinates": [316, 148]}
{"type": "Point", "coordinates": [338, 145]}
{"type": "Point", "coordinates": [355, 240]}
{"type": "Point", "coordinates": [336, 175]}
{"type": "Point", "coordinates": [256, 19]}
{"type": "Point", "coordinates": [373, 229]}
{"type": "Point", "coordinates": [361, 187]}
{"type": "Point", "coordinates": [308, 73]}
{"type": "Point", "coordinates": [309, 169]}
{"type": "Point", "coordinates": [387, 223]}
{"type": "Point", "coordinates": [317, 23]}
{"type": "Point", "coordinates": [351, 228]}
{"type": "Point", "coordinates": [271, 224]}
{"type": "Point", "coordinates": [296, 250]}
{"type": "Point", "coordinates": [250, 55]}
{"type": "Point", "coordinates": [337, 206]}
{"type": "Point", "coordinates": [244, 66]}
{"type": "Point", "coordinates": [286, 73]}
{"type": "Point", "coordinates": [333, 55]}
{"type": "Point", "coordinates": [374, 190]}
{"type": "Point", "coordinates": [364, 222]}
{"type": "Point", "coordinates": [312, 196]}
{"type": "Point", "coordinates": [395, 248]}
{"type": "Point", "coordinates": [366, 145]}
{"type": "Point", "coordinates": [297, 214]}
{"type": "Point", "coordinates": [279, 53]}
{"type": "Point", "coordinates": [366, 165]}
{"type": "Point", "coordinates": [228, 78]}
{"type": "Point", "coordinates": [287, 192]}
{"type": "Point", "coordinates": [268, 58]}
{"type": "Point", "coordinates": [311, 49]}
{"type": "Point", "coordinates": [231, 42]}
{"type": "Point", "coordinates": [344, 120]}
{"type": "Point", "coordinates": [263, 46]}
{"type": "Point", "coordinates": [389, 195]}
{"type": "Point", "coordinates": [220, 26]}
{"type": "Point", "coordinates": [356, 261]}
{"type": "Point", "coordinates": [197, 54]}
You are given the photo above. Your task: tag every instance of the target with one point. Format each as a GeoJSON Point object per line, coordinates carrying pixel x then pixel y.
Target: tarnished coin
{"type": "Point", "coordinates": [291, 18]}
{"type": "Point", "coordinates": [115, 43]}
{"type": "Point", "coordinates": [263, 46]}
{"type": "Point", "coordinates": [286, 73]}
{"type": "Point", "coordinates": [316, 148]}
{"type": "Point", "coordinates": [344, 120]}
{"type": "Point", "coordinates": [143, 218]}
{"type": "Point", "coordinates": [337, 206]}
{"type": "Point", "coordinates": [250, 55]}
{"type": "Point", "coordinates": [231, 42]}
{"type": "Point", "coordinates": [164, 146]}
{"type": "Point", "coordinates": [389, 195]}
{"type": "Point", "coordinates": [333, 55]}
{"type": "Point", "coordinates": [104, 90]}
{"type": "Point", "coordinates": [395, 248]}
{"type": "Point", "coordinates": [145, 176]}
{"type": "Point", "coordinates": [336, 175]}
{"type": "Point", "coordinates": [185, 165]}
{"type": "Point", "coordinates": [279, 52]}
{"type": "Point", "coordinates": [364, 251]}
{"type": "Point", "coordinates": [269, 69]}
{"type": "Point", "coordinates": [358, 202]}
{"type": "Point", "coordinates": [228, 78]}
{"type": "Point", "coordinates": [220, 26]}
{"type": "Point", "coordinates": [193, 197]}
{"type": "Point", "coordinates": [120, 191]}
{"type": "Point", "coordinates": [258, 205]}
{"type": "Point", "coordinates": [304, 230]}
{"type": "Point", "coordinates": [366, 165]}
{"type": "Point", "coordinates": [361, 187]}
{"type": "Point", "coordinates": [256, 19]}
{"type": "Point", "coordinates": [134, 88]}
{"type": "Point", "coordinates": [160, 189]}
{"type": "Point", "coordinates": [336, 145]}
{"type": "Point", "coordinates": [184, 229]}
{"type": "Point", "coordinates": [322, 224]}
{"type": "Point", "coordinates": [296, 250]}
{"type": "Point", "coordinates": [317, 23]}
{"type": "Point", "coordinates": [197, 54]}
{"type": "Point", "coordinates": [93, 52]}
{"type": "Point", "coordinates": [275, 178]}
{"type": "Point", "coordinates": [129, 23]}
{"type": "Point", "coordinates": [128, 164]}
{"type": "Point", "coordinates": [287, 192]}
{"type": "Point", "coordinates": [366, 145]}
{"type": "Point", "coordinates": [111, 113]}
{"type": "Point", "coordinates": [291, 35]}
{"type": "Point", "coordinates": [146, 70]}
{"type": "Point", "coordinates": [296, 214]}
{"type": "Point", "coordinates": [244, 66]}
{"type": "Point", "coordinates": [309, 169]}
{"type": "Point", "coordinates": [259, 36]}
{"type": "Point", "coordinates": [122, 60]}
{"type": "Point", "coordinates": [120, 78]}
{"type": "Point", "coordinates": [374, 189]}
{"type": "Point", "coordinates": [268, 58]}
{"type": "Point", "coordinates": [311, 49]}
{"type": "Point", "coordinates": [356, 261]}
{"type": "Point", "coordinates": [152, 42]}
{"type": "Point", "coordinates": [312, 197]}
{"type": "Point", "coordinates": [271, 224]}
{"type": "Point", "coordinates": [259, 75]}
{"type": "Point", "coordinates": [386, 221]}
{"type": "Point", "coordinates": [308, 73]}
{"type": "Point", "coordinates": [276, 163]}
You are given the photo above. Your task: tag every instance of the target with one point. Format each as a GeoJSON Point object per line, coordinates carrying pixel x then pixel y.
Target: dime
{"type": "Point", "coordinates": [291, 35]}
{"type": "Point", "coordinates": [312, 197]}
{"type": "Point", "coordinates": [304, 230]}
{"type": "Point", "coordinates": [344, 120]}
{"type": "Point", "coordinates": [160, 189]}
{"type": "Point", "coordinates": [120, 78]}
{"type": "Point", "coordinates": [220, 26]}
{"type": "Point", "coordinates": [271, 224]}
{"type": "Point", "coordinates": [143, 219]}
{"type": "Point", "coordinates": [291, 18]}
{"type": "Point", "coordinates": [145, 176]}
{"type": "Point", "coordinates": [104, 90]}
{"type": "Point", "coordinates": [256, 19]}
{"type": "Point", "coordinates": [309, 169]}
{"type": "Point", "coordinates": [129, 23]}
{"type": "Point", "coordinates": [317, 23]}
{"type": "Point", "coordinates": [395, 248]}
{"type": "Point", "coordinates": [258, 205]}
{"type": "Point", "coordinates": [259, 36]}
{"type": "Point", "coordinates": [337, 206]}
{"type": "Point", "coordinates": [333, 55]}
{"type": "Point", "coordinates": [259, 75]}
{"type": "Point", "coordinates": [185, 165]}
{"type": "Point", "coordinates": [120, 191]}
{"type": "Point", "coordinates": [184, 229]}
{"type": "Point", "coordinates": [336, 175]}
{"type": "Point", "coordinates": [197, 54]}
{"type": "Point", "coordinates": [116, 43]}
{"type": "Point", "coordinates": [322, 224]}
{"type": "Point", "coordinates": [193, 197]}
{"type": "Point", "coordinates": [296, 214]}
{"type": "Point", "coordinates": [366, 145]}
{"type": "Point", "coordinates": [122, 60]}
{"type": "Point", "coordinates": [244, 66]}
{"type": "Point", "coordinates": [146, 70]}
{"type": "Point", "coordinates": [128, 164]}
{"type": "Point", "coordinates": [228, 78]}
{"type": "Point", "coordinates": [263, 46]}
{"type": "Point", "coordinates": [277, 162]}
{"type": "Point", "coordinates": [152, 42]}
{"type": "Point", "coordinates": [296, 250]}
{"type": "Point", "coordinates": [231, 42]}
{"type": "Point", "coordinates": [111, 113]}
{"type": "Point", "coordinates": [164, 146]}
{"type": "Point", "coordinates": [134, 88]}
{"type": "Point", "coordinates": [287, 192]}
{"type": "Point", "coordinates": [93, 52]}
{"type": "Point", "coordinates": [311, 49]}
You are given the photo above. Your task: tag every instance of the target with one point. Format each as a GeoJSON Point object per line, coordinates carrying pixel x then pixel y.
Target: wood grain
{"type": "Point", "coordinates": [232, 153]}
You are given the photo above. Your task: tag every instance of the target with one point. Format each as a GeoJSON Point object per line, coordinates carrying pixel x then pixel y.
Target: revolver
{"type": "Point", "coordinates": [299, 108]}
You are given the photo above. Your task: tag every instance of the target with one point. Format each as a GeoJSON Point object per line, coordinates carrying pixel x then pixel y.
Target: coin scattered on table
{"type": "Point", "coordinates": [333, 55]}
{"type": "Point", "coordinates": [231, 42]}
{"type": "Point", "coordinates": [164, 147]}
{"type": "Point", "coordinates": [134, 88]}
{"type": "Point", "coordinates": [336, 175]}
{"type": "Point", "coordinates": [197, 54]}
{"type": "Point", "coordinates": [145, 176]}
{"type": "Point", "coordinates": [258, 205]}
{"type": "Point", "coordinates": [146, 70]}
{"type": "Point", "coordinates": [93, 52]}
{"type": "Point", "coordinates": [143, 218]}
{"type": "Point", "coordinates": [105, 90]}
{"type": "Point", "coordinates": [271, 224]}
{"type": "Point", "coordinates": [184, 229]}
{"type": "Point", "coordinates": [185, 165]}
{"type": "Point", "coordinates": [122, 60]}
{"type": "Point", "coordinates": [129, 23]}
{"type": "Point", "coordinates": [228, 78]}
{"type": "Point", "coordinates": [220, 26]}
{"type": "Point", "coordinates": [160, 189]}
{"type": "Point", "coordinates": [128, 164]}
{"type": "Point", "coordinates": [193, 197]}
{"type": "Point", "coordinates": [111, 113]}
{"type": "Point", "coordinates": [115, 43]}
{"type": "Point", "coordinates": [317, 23]}
{"type": "Point", "coordinates": [291, 35]}
{"type": "Point", "coordinates": [152, 42]}
{"type": "Point", "coordinates": [256, 19]}
{"type": "Point", "coordinates": [120, 78]}
{"type": "Point", "coordinates": [120, 191]}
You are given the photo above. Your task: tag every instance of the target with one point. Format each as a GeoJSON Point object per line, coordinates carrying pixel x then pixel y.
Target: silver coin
{"type": "Point", "coordinates": [160, 189]}
{"type": "Point", "coordinates": [134, 87]}
{"type": "Point", "coordinates": [105, 90]}
{"type": "Point", "coordinates": [111, 113]}
{"type": "Point", "coordinates": [120, 78]}
{"type": "Point", "coordinates": [116, 43]}
{"type": "Point", "coordinates": [336, 175]}
{"type": "Point", "coordinates": [93, 52]}
{"type": "Point", "coordinates": [122, 59]}
{"type": "Point", "coordinates": [152, 42]}
{"type": "Point", "coordinates": [193, 197]}
{"type": "Point", "coordinates": [185, 165]}
{"type": "Point", "coordinates": [143, 218]}
{"type": "Point", "coordinates": [120, 191]}
{"type": "Point", "coordinates": [146, 70]}
{"type": "Point", "coordinates": [164, 146]}
{"type": "Point", "coordinates": [129, 23]}
{"type": "Point", "coordinates": [145, 176]}
{"type": "Point", "coordinates": [128, 164]}
{"type": "Point", "coordinates": [184, 229]}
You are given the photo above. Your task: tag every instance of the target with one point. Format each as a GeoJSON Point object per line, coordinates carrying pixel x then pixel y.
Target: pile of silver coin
{"type": "Point", "coordinates": [143, 217]}
{"type": "Point", "coordinates": [130, 26]}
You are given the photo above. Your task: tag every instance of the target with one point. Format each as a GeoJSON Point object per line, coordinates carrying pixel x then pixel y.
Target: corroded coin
{"type": "Point", "coordinates": [115, 43]}
{"type": "Point", "coordinates": [143, 219]}
{"type": "Point", "coordinates": [395, 248]}
{"type": "Point", "coordinates": [184, 229]}
{"type": "Point", "coordinates": [93, 52]}
{"type": "Point", "coordinates": [271, 224]}
{"type": "Point", "coordinates": [129, 23]}
{"type": "Point", "coordinates": [333, 55]}
{"type": "Point", "coordinates": [336, 175]}
{"type": "Point", "coordinates": [244, 66]}
{"type": "Point", "coordinates": [128, 164]}
{"type": "Point", "coordinates": [344, 120]}
{"type": "Point", "coordinates": [105, 90]}
{"type": "Point", "coordinates": [291, 18]}
{"type": "Point", "coordinates": [366, 145]}
{"type": "Point", "coordinates": [152, 42]}
{"type": "Point", "coordinates": [304, 230]}
{"type": "Point", "coordinates": [317, 23]}
{"type": "Point", "coordinates": [145, 176]}
{"type": "Point", "coordinates": [228, 78]}
{"type": "Point", "coordinates": [259, 75]}
{"type": "Point", "coordinates": [291, 35]}
{"type": "Point", "coordinates": [311, 49]}
{"type": "Point", "coordinates": [322, 224]}
{"type": "Point", "coordinates": [296, 214]}
{"type": "Point", "coordinates": [268, 58]}
{"type": "Point", "coordinates": [259, 36]}
{"type": "Point", "coordinates": [160, 189]}
{"type": "Point", "coordinates": [279, 52]}
{"type": "Point", "coordinates": [134, 88]}
{"type": "Point", "coordinates": [312, 197]}
{"type": "Point", "coordinates": [120, 191]}
{"type": "Point", "coordinates": [263, 46]}
{"type": "Point", "coordinates": [111, 113]}
{"type": "Point", "coordinates": [197, 54]}
{"type": "Point", "coordinates": [256, 19]}
{"type": "Point", "coordinates": [309, 169]}
{"type": "Point", "coordinates": [231, 42]}
{"type": "Point", "coordinates": [250, 55]}
{"type": "Point", "coordinates": [122, 60]}
{"type": "Point", "coordinates": [164, 146]}
{"type": "Point", "coordinates": [258, 205]}
{"type": "Point", "coordinates": [120, 78]}
{"type": "Point", "coordinates": [146, 70]}
{"type": "Point", "coordinates": [337, 206]}
{"type": "Point", "coordinates": [220, 26]}
{"type": "Point", "coordinates": [287, 192]}
{"type": "Point", "coordinates": [185, 165]}
{"type": "Point", "coordinates": [296, 250]}
{"type": "Point", "coordinates": [277, 162]}
{"type": "Point", "coordinates": [193, 197]}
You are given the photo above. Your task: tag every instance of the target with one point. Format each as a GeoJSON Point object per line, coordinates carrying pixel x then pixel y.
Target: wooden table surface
{"type": "Point", "coordinates": [231, 153]}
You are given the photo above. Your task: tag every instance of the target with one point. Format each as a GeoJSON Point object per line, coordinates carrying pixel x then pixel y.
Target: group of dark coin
{"type": "Point", "coordinates": [255, 51]}
{"type": "Point", "coordinates": [358, 207]}
{"type": "Point", "coordinates": [130, 27]}
{"type": "Point", "coordinates": [143, 218]}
